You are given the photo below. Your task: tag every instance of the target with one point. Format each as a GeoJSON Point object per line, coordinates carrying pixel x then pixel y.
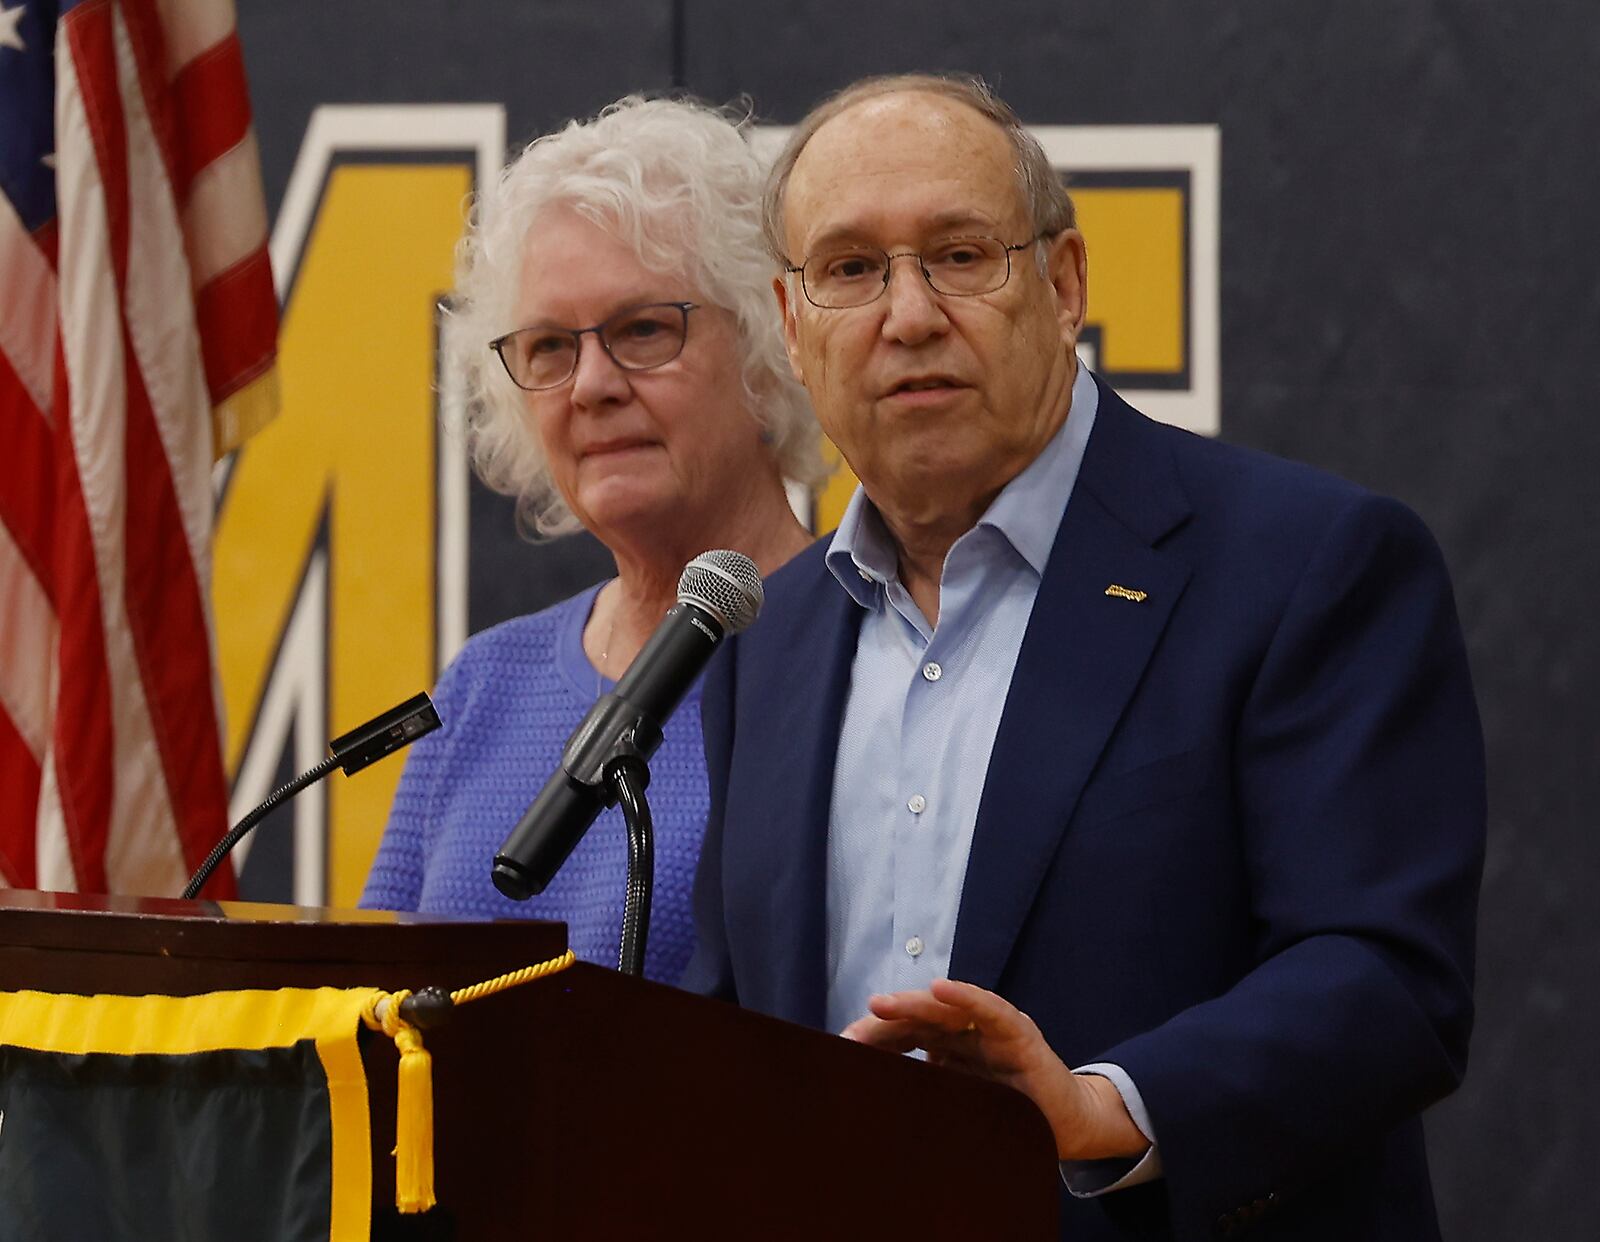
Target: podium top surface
{"type": "Point", "coordinates": [257, 944]}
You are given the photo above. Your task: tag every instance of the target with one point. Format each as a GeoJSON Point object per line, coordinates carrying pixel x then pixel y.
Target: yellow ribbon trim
{"type": "Point", "coordinates": [249, 1019]}
{"type": "Point", "coordinates": [130, 1025]}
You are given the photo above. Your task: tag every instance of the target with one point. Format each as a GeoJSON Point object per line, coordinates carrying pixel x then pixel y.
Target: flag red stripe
{"type": "Point", "coordinates": [145, 36]}
{"type": "Point", "coordinates": [162, 597]}
{"type": "Point", "coordinates": [161, 594]}
{"type": "Point", "coordinates": [211, 95]}
{"type": "Point", "coordinates": [90, 36]}
{"type": "Point", "coordinates": [26, 474]}
{"type": "Point", "coordinates": [122, 565]}
{"type": "Point", "coordinates": [85, 740]}
{"type": "Point", "coordinates": [83, 737]}
{"type": "Point", "coordinates": [19, 778]}
{"type": "Point", "coordinates": [238, 317]}
{"type": "Point", "coordinates": [46, 239]}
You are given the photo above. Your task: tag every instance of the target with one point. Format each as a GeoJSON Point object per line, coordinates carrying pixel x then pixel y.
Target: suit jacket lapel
{"type": "Point", "coordinates": [1081, 659]}
{"type": "Point", "coordinates": [793, 720]}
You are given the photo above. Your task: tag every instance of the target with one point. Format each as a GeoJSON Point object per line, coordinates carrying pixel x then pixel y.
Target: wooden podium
{"type": "Point", "coordinates": [589, 1104]}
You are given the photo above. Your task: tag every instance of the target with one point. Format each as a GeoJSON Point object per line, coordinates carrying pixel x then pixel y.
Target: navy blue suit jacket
{"type": "Point", "coordinates": [1230, 837]}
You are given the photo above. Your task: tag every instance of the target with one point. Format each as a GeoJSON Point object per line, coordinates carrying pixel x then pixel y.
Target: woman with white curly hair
{"type": "Point", "coordinates": [624, 362]}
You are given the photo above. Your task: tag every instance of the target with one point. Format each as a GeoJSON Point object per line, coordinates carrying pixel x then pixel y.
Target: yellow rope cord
{"type": "Point", "coordinates": [526, 975]}
{"type": "Point", "coordinates": [389, 1002]}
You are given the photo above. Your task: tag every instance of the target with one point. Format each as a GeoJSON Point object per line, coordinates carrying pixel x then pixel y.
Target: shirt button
{"type": "Point", "coordinates": [932, 671]}
{"type": "Point", "coordinates": [916, 804]}
{"type": "Point", "coordinates": [865, 576]}
{"type": "Point", "coordinates": [914, 946]}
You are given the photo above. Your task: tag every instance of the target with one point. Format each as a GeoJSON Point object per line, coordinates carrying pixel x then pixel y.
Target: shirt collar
{"type": "Point", "coordinates": [1027, 511]}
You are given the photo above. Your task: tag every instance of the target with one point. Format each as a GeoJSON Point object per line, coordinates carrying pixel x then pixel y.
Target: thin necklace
{"type": "Point", "coordinates": [605, 656]}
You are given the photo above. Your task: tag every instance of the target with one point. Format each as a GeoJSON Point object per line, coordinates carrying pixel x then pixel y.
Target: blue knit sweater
{"type": "Point", "coordinates": [508, 703]}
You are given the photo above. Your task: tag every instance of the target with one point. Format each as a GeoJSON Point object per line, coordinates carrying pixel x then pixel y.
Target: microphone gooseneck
{"type": "Point", "coordinates": [627, 779]}
{"type": "Point", "coordinates": [237, 833]}
{"type": "Point", "coordinates": [719, 594]}
{"type": "Point", "coordinates": [398, 727]}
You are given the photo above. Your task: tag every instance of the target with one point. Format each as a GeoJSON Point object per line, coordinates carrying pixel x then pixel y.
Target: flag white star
{"type": "Point", "coordinates": [9, 18]}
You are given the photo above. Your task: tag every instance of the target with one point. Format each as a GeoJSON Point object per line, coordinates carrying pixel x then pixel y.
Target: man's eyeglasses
{"type": "Point", "coordinates": [637, 339]}
{"type": "Point", "coordinates": [960, 267]}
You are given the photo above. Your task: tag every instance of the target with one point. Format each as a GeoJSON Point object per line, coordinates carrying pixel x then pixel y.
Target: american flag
{"type": "Point", "coordinates": [137, 339]}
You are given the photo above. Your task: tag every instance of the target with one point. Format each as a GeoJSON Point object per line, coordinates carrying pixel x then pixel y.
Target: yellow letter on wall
{"type": "Point", "coordinates": [354, 449]}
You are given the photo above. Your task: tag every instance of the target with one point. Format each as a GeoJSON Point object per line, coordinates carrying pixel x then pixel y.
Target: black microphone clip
{"type": "Point", "coordinates": [613, 730]}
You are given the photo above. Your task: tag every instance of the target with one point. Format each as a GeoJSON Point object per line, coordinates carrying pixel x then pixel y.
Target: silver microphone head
{"type": "Point", "coordinates": [726, 584]}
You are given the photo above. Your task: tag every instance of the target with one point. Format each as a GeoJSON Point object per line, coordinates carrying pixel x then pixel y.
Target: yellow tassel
{"type": "Point", "coordinates": [413, 1125]}
{"type": "Point", "coordinates": [413, 1120]}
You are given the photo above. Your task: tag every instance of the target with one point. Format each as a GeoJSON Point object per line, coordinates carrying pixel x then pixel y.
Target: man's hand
{"type": "Point", "coordinates": [967, 1028]}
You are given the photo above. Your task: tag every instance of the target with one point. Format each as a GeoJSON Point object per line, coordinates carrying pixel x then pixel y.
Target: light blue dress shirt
{"type": "Point", "coordinates": [914, 745]}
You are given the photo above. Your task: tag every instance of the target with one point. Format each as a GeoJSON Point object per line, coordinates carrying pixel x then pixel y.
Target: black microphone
{"type": "Point", "coordinates": [719, 594]}
{"type": "Point", "coordinates": [401, 725]}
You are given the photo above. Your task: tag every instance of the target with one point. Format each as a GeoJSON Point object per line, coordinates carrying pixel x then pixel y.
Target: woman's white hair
{"type": "Point", "coordinates": [679, 183]}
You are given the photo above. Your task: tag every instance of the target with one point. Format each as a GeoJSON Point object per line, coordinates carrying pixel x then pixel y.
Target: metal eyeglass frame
{"type": "Point", "coordinates": [577, 335]}
{"type": "Point", "coordinates": [888, 269]}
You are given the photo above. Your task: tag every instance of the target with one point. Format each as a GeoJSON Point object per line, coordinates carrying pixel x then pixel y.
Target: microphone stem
{"type": "Point", "coordinates": [627, 778]}
{"type": "Point", "coordinates": [237, 832]}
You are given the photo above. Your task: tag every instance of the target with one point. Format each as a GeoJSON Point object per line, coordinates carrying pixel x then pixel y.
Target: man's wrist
{"type": "Point", "coordinates": [1100, 1128]}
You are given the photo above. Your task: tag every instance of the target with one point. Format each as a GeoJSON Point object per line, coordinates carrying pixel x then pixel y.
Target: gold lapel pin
{"type": "Point", "coordinates": [1122, 592]}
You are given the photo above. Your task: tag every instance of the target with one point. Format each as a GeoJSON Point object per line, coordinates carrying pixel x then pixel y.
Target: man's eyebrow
{"type": "Point", "coordinates": [962, 218]}
{"type": "Point", "coordinates": [839, 234]}
{"type": "Point", "coordinates": [959, 218]}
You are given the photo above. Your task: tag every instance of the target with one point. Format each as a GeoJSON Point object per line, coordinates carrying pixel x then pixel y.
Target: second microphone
{"type": "Point", "coordinates": [719, 593]}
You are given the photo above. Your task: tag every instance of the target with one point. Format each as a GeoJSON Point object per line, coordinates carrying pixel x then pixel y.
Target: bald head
{"type": "Point", "coordinates": [1048, 205]}
{"type": "Point", "coordinates": [901, 158]}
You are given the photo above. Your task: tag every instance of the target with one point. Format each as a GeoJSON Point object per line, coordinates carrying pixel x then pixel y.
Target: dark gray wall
{"type": "Point", "coordinates": [1410, 298]}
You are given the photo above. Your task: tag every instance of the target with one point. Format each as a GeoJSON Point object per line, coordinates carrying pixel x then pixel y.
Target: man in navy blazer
{"type": "Point", "coordinates": [1191, 846]}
